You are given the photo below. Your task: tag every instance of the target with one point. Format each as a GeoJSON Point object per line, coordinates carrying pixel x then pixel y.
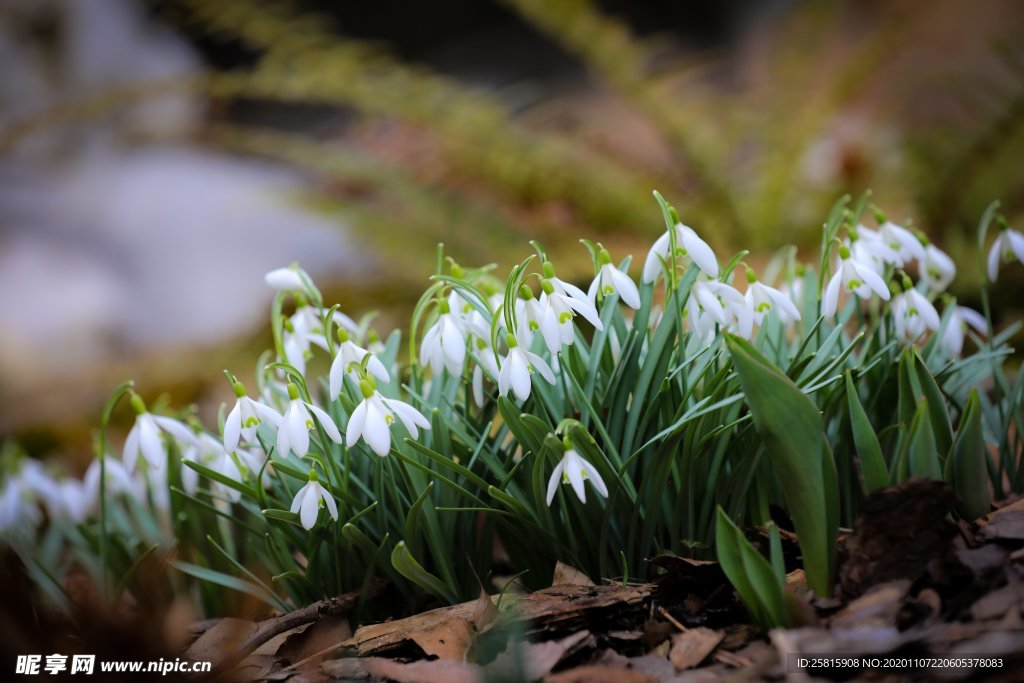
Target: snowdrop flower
{"type": "Point", "coordinates": [903, 243]}
{"type": "Point", "coordinates": [573, 469]}
{"type": "Point", "coordinates": [203, 449]}
{"type": "Point", "coordinates": [953, 336]}
{"type": "Point", "coordinates": [245, 417]}
{"type": "Point", "coordinates": [718, 302]}
{"type": "Point", "coordinates": [118, 481]}
{"type": "Point", "coordinates": [852, 276]}
{"type": "Point", "coordinates": [307, 502]}
{"type": "Point", "coordinates": [566, 298]}
{"type": "Point", "coordinates": [19, 511]}
{"type": "Point", "coordinates": [292, 279]}
{"type": "Point", "coordinates": [293, 434]}
{"type": "Point", "coordinates": [761, 298]}
{"type": "Point", "coordinates": [372, 419]}
{"type": "Point", "coordinates": [912, 313]}
{"type": "Point", "coordinates": [144, 436]}
{"type": "Point", "coordinates": [349, 357]}
{"type": "Point", "coordinates": [610, 280]}
{"type": "Point", "coordinates": [937, 269]}
{"type": "Point", "coordinates": [868, 248]}
{"type": "Point", "coordinates": [1008, 246]}
{"type": "Point", "coordinates": [70, 502]}
{"type": "Point", "coordinates": [534, 315]}
{"type": "Point", "coordinates": [516, 370]}
{"type": "Point", "coordinates": [224, 464]}
{"type": "Point", "coordinates": [444, 344]}
{"type": "Point", "coordinates": [688, 243]}
{"type": "Point", "coordinates": [485, 360]}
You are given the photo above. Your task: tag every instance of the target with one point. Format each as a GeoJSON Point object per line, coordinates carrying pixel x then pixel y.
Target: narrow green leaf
{"type": "Point", "coordinates": [873, 470]}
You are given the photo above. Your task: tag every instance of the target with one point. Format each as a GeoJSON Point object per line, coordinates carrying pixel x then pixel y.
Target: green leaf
{"type": "Point", "coordinates": [227, 581]}
{"type": "Point", "coordinates": [760, 589]}
{"type": "Point", "coordinates": [923, 458]}
{"type": "Point", "coordinates": [967, 468]}
{"type": "Point", "coordinates": [874, 472]}
{"type": "Point", "coordinates": [406, 565]}
{"type": "Point", "coordinates": [937, 413]}
{"type": "Point", "coordinates": [794, 436]}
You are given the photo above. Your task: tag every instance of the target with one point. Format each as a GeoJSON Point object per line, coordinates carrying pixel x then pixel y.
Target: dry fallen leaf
{"type": "Point", "coordinates": [447, 640]}
{"type": "Point", "coordinates": [692, 646]}
{"type": "Point", "coordinates": [221, 640]}
{"type": "Point", "coordinates": [596, 673]}
{"type": "Point", "coordinates": [567, 575]}
{"type": "Point", "coordinates": [485, 611]}
{"type": "Point", "coordinates": [316, 639]}
{"type": "Point", "coordinates": [423, 671]}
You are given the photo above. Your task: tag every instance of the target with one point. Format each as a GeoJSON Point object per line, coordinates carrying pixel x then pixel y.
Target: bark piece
{"type": "Point", "coordinates": [449, 639]}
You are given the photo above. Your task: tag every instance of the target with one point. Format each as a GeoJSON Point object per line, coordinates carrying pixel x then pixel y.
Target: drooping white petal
{"type": "Point", "coordinates": [973, 318]}
{"type": "Point", "coordinates": [994, 257]}
{"type": "Point", "coordinates": [376, 432]}
{"type": "Point", "coordinates": [575, 475]}
{"type": "Point", "coordinates": [830, 302]}
{"type": "Point", "coordinates": [875, 282]}
{"type": "Point", "coordinates": [297, 425]}
{"type": "Point", "coordinates": [626, 288]}
{"type": "Point", "coordinates": [299, 496]}
{"type": "Point", "coordinates": [556, 478]}
{"type": "Point", "coordinates": [284, 279]}
{"type": "Point", "coordinates": [149, 441]}
{"type": "Point", "coordinates": [328, 499]}
{"type": "Point", "coordinates": [130, 454]}
{"type": "Point", "coordinates": [541, 366]}
{"type": "Point", "coordinates": [233, 427]}
{"type": "Point", "coordinates": [356, 423]}
{"type": "Point", "coordinates": [698, 250]}
{"type": "Point", "coordinates": [310, 506]}
{"type": "Point", "coordinates": [653, 262]}
{"type": "Point", "coordinates": [326, 422]}
{"type": "Point", "coordinates": [519, 373]}
{"type": "Point", "coordinates": [595, 478]}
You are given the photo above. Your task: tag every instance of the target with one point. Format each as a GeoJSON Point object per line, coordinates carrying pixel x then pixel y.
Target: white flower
{"type": "Point", "coordinates": [534, 315]}
{"type": "Point", "coordinates": [307, 503]}
{"type": "Point", "coordinates": [117, 481]}
{"type": "Point", "coordinates": [350, 355]}
{"type": "Point", "coordinates": [610, 280]}
{"type": "Point", "coordinates": [912, 313]}
{"type": "Point", "coordinates": [852, 276]}
{"type": "Point", "coordinates": [444, 344]}
{"type": "Point", "coordinates": [292, 279]}
{"type": "Point", "coordinates": [761, 298]}
{"type": "Point", "coordinates": [293, 435]}
{"type": "Point", "coordinates": [372, 419]}
{"type": "Point", "coordinates": [722, 304]}
{"type": "Point", "coordinates": [937, 269]}
{"type": "Point", "coordinates": [19, 510]}
{"type": "Point", "coordinates": [224, 464]}
{"type": "Point", "coordinates": [144, 437]}
{"type": "Point", "coordinates": [1009, 245]}
{"type": "Point", "coordinates": [70, 502]}
{"type": "Point", "coordinates": [903, 243]}
{"type": "Point", "coordinates": [485, 361]}
{"type": "Point", "coordinates": [203, 449]}
{"type": "Point", "coordinates": [688, 243]}
{"type": "Point", "coordinates": [245, 417]}
{"type": "Point", "coordinates": [869, 249]}
{"type": "Point", "coordinates": [516, 370]}
{"type": "Point", "coordinates": [953, 336]}
{"type": "Point", "coordinates": [573, 469]}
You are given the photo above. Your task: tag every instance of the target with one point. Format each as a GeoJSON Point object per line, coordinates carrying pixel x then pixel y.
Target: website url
{"type": "Point", "coordinates": [33, 665]}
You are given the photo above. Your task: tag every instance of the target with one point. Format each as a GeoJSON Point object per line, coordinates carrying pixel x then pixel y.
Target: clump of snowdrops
{"type": "Point", "coordinates": [527, 420]}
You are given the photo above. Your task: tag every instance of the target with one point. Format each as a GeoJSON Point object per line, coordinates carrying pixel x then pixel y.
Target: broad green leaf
{"type": "Point", "coordinates": [406, 565]}
{"type": "Point", "coordinates": [794, 436]}
{"type": "Point", "coordinates": [761, 590]}
{"type": "Point", "coordinates": [966, 467]}
{"type": "Point", "coordinates": [874, 473]}
{"type": "Point", "coordinates": [923, 458]}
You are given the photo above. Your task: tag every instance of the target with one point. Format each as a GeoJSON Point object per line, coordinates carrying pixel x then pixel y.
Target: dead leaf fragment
{"type": "Point", "coordinates": [313, 643]}
{"type": "Point", "coordinates": [567, 575]}
{"type": "Point", "coordinates": [423, 671]}
{"type": "Point", "coordinates": [221, 640]}
{"type": "Point", "coordinates": [596, 673]}
{"type": "Point", "coordinates": [692, 646]}
{"type": "Point", "coordinates": [448, 640]}
{"type": "Point", "coordinates": [485, 611]}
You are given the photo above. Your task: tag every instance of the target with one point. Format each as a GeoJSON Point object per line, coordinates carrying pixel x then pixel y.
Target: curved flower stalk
{"type": "Point", "coordinates": [1009, 245]}
{"type": "Point", "coordinates": [444, 344]}
{"type": "Point", "coordinates": [688, 244]}
{"type": "Point", "coordinates": [307, 502]}
{"type": "Point", "coordinates": [294, 432]}
{"type": "Point", "coordinates": [912, 314]}
{"type": "Point", "coordinates": [517, 369]}
{"type": "Point", "coordinates": [953, 337]}
{"type": "Point", "coordinates": [245, 417]}
{"type": "Point", "coordinates": [610, 280]}
{"type": "Point", "coordinates": [347, 361]}
{"type": "Point", "coordinates": [761, 299]}
{"type": "Point", "coordinates": [372, 419]}
{"type": "Point", "coordinates": [145, 437]}
{"type": "Point", "coordinates": [852, 276]}
{"type": "Point", "coordinates": [937, 269]}
{"type": "Point", "coordinates": [573, 469]}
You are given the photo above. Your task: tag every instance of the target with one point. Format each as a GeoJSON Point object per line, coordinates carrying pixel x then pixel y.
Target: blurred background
{"type": "Point", "coordinates": [158, 157]}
